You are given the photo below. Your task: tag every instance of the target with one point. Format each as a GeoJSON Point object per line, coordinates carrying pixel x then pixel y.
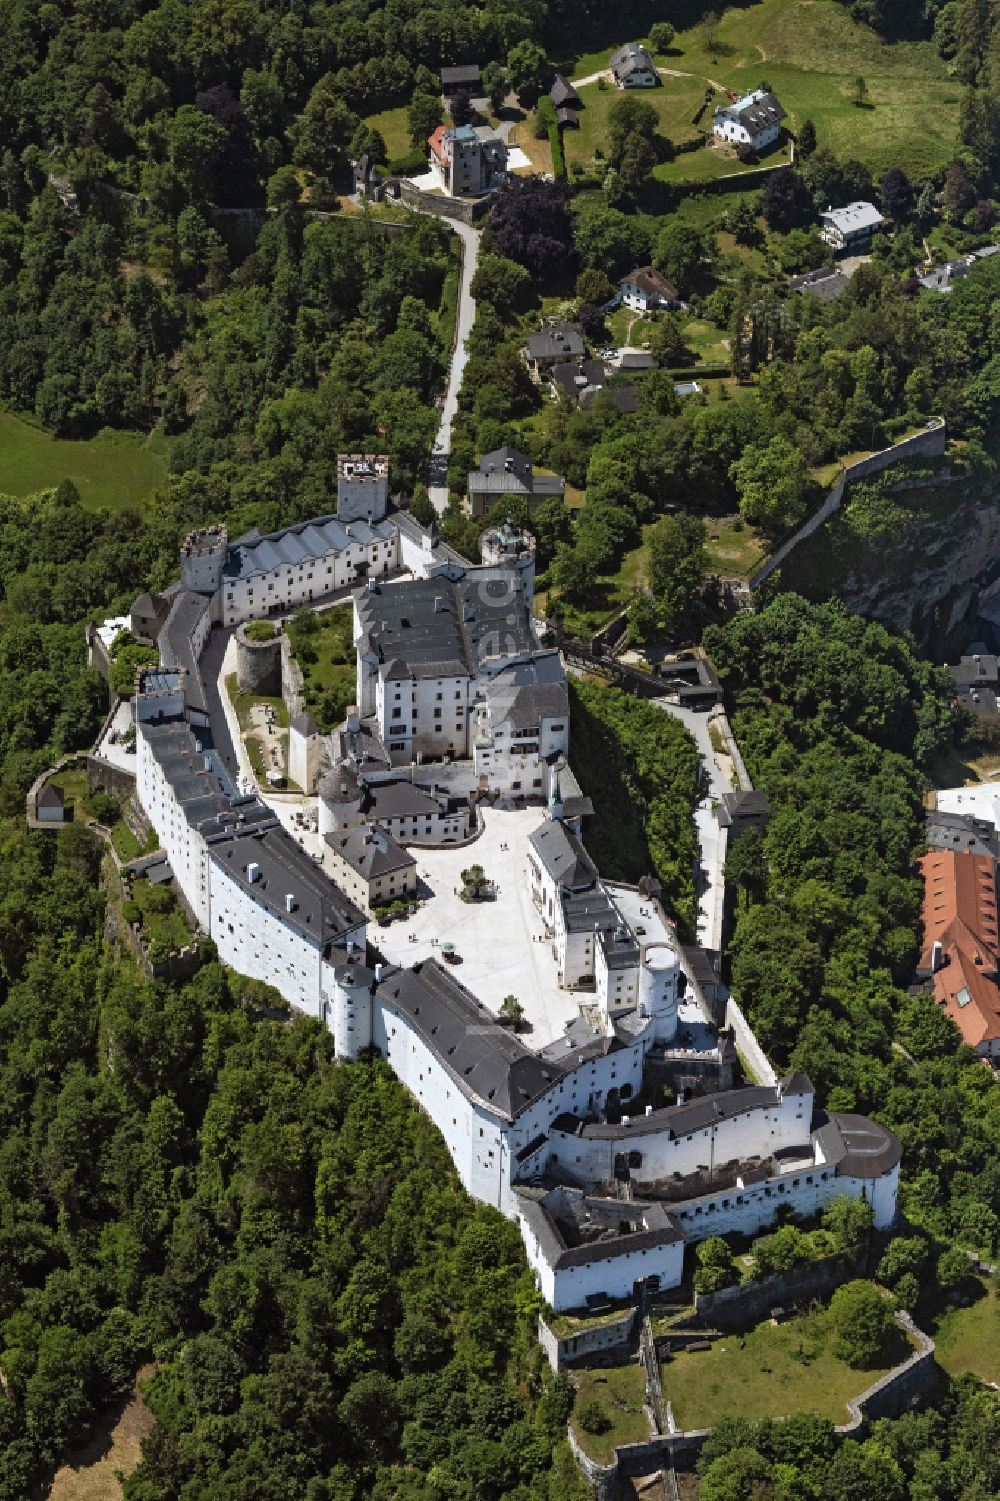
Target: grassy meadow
{"type": "Point", "coordinates": [111, 471]}
{"type": "Point", "coordinates": [810, 52]}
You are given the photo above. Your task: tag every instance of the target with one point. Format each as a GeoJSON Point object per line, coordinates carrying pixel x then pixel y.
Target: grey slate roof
{"type": "Point", "coordinates": [756, 114]}
{"type": "Point", "coordinates": [563, 93]}
{"type": "Point", "coordinates": [824, 283]}
{"type": "Point", "coordinates": [176, 647]}
{"type": "Point", "coordinates": [561, 341]}
{"type": "Point", "coordinates": [460, 76]}
{"type": "Point", "coordinates": [676, 1120]}
{"type": "Point", "coordinates": [438, 627]}
{"type": "Point", "coordinates": [632, 58]}
{"type": "Point", "coordinates": [857, 1146]}
{"type": "Point", "coordinates": [576, 375]}
{"type": "Point", "coordinates": [487, 1061]}
{"type": "Point", "coordinates": [563, 856]}
{"type": "Point", "coordinates": [306, 543]}
{"type": "Point", "coordinates": [855, 219]}
{"type": "Point", "coordinates": [322, 914]}
{"type": "Point", "coordinates": [553, 1215]}
{"type": "Point", "coordinates": [961, 831]}
{"type": "Point", "coordinates": [371, 852]}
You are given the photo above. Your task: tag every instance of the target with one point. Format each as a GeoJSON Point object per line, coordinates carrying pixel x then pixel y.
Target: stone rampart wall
{"type": "Point", "coordinates": [931, 442]}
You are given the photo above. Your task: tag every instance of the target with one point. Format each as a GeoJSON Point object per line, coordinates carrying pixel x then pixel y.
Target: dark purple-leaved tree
{"type": "Point", "coordinates": [236, 176]}
{"type": "Point", "coordinates": [531, 224]}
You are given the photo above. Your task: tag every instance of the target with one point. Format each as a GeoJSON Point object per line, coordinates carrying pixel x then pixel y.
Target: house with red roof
{"type": "Point", "coordinates": [960, 947]}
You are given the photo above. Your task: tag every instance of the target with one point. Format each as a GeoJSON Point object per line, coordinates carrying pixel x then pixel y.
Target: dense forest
{"type": "Point", "coordinates": [186, 1171]}
{"type": "Point", "coordinates": [185, 1174]}
{"type": "Point", "coordinates": [838, 721]}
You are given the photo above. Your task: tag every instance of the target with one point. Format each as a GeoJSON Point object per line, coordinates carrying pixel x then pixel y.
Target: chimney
{"type": "Point", "coordinates": [253, 871]}
{"type": "Point", "coordinates": [937, 956]}
{"type": "Point", "coordinates": [649, 1109]}
{"type": "Point", "coordinates": [289, 902]}
{"type": "Point", "coordinates": [626, 1120]}
{"type": "Point", "coordinates": [378, 974]}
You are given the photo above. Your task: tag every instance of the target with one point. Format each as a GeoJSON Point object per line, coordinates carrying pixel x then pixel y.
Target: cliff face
{"type": "Point", "coordinates": [930, 561]}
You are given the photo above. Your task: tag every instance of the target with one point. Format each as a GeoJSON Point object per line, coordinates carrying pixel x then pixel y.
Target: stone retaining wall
{"type": "Point", "coordinates": [901, 1388]}
{"type": "Point", "coordinates": [748, 1302]}
{"type": "Point", "coordinates": [930, 443]}
{"type": "Point", "coordinates": [585, 1345]}
{"type": "Point", "coordinates": [747, 1044]}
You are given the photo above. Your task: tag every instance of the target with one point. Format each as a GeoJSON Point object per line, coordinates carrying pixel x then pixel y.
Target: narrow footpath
{"type": "Point", "coordinates": [437, 481]}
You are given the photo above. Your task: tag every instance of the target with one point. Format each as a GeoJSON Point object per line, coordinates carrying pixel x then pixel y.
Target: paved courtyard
{"type": "Point", "coordinates": [500, 942]}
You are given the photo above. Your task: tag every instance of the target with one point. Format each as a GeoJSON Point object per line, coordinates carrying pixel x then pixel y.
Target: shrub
{"type": "Point", "coordinates": [260, 630]}
{"type": "Point", "coordinates": [593, 1417]}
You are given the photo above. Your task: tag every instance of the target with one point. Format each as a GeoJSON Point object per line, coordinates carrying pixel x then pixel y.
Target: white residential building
{"type": "Point", "coordinates": [852, 227]}
{"type": "Point", "coordinates": [632, 67]}
{"type": "Point", "coordinates": [755, 120]}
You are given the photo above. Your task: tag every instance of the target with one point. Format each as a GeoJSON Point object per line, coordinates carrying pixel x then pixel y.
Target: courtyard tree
{"type": "Point", "coordinates": [628, 116]}
{"type": "Point", "coordinates": [494, 81]}
{"type": "Point", "coordinates": [474, 883]}
{"type": "Point", "coordinates": [511, 1013]}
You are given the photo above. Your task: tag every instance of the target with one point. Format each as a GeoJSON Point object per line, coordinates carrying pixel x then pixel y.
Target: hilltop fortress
{"type": "Point", "coordinates": [456, 756]}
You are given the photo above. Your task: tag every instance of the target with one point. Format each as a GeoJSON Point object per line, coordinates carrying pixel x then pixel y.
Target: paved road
{"type": "Point", "coordinates": [437, 479]}
{"type": "Point", "coordinates": [711, 839]}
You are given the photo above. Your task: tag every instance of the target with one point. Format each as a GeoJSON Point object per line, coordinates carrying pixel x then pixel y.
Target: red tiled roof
{"type": "Point", "coordinates": [960, 913]}
{"type": "Point", "coordinates": [434, 142]}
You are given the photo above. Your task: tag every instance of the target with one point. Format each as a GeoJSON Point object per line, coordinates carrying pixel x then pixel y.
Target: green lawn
{"type": "Point", "coordinates": [244, 703]}
{"type": "Point", "coordinates": [324, 650]}
{"type": "Point", "coordinates": [168, 929]}
{"type": "Point", "coordinates": [610, 592]}
{"type": "Point", "coordinates": [968, 1339]}
{"type": "Point", "coordinates": [74, 789]}
{"type": "Point", "coordinates": [810, 52]}
{"type": "Point", "coordinates": [621, 1391]}
{"type": "Point", "coordinates": [732, 553]}
{"type": "Point", "coordinates": [113, 470]}
{"type": "Point", "coordinates": [676, 104]}
{"type": "Point", "coordinates": [391, 125]}
{"type": "Point", "coordinates": [780, 1369]}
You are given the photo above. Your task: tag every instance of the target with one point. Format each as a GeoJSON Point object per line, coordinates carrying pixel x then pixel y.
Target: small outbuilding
{"type": "Point", "coordinates": [50, 804]}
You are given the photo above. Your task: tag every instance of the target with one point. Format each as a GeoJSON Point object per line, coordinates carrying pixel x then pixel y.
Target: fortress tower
{"type": "Point", "coordinates": [362, 486]}
{"type": "Point", "coordinates": [203, 557]}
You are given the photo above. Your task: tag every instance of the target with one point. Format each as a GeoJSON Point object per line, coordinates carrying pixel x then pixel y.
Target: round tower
{"type": "Point", "coordinates": [352, 1009]}
{"type": "Point", "coordinates": [658, 974]}
{"type": "Point", "coordinates": [203, 557]}
{"type": "Point", "coordinates": [340, 798]}
{"type": "Point", "coordinates": [258, 659]}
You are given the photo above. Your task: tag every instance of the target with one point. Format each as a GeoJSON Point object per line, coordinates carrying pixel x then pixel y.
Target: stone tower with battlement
{"type": "Point", "coordinates": [203, 557]}
{"type": "Point", "coordinates": [362, 486]}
